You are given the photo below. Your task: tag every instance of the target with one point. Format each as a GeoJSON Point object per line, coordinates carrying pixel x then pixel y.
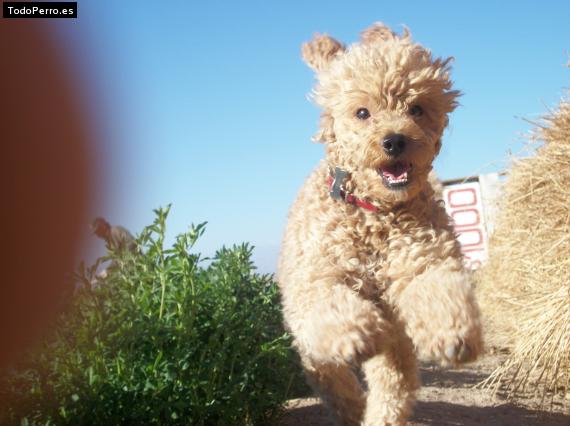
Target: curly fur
{"type": "Point", "coordinates": [365, 293]}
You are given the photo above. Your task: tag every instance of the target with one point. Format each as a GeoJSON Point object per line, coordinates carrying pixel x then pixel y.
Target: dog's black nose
{"type": "Point", "coordinates": [394, 144]}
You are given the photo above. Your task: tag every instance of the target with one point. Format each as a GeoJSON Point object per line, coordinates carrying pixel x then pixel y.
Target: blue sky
{"type": "Point", "coordinates": [203, 104]}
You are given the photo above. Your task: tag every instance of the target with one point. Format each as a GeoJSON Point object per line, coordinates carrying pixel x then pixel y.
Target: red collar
{"type": "Point", "coordinates": [337, 190]}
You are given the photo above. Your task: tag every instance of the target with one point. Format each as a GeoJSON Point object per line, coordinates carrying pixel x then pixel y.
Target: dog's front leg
{"type": "Point", "coordinates": [392, 380]}
{"type": "Point", "coordinates": [336, 330]}
{"type": "Point", "coordinates": [339, 388]}
{"type": "Point", "coordinates": [441, 314]}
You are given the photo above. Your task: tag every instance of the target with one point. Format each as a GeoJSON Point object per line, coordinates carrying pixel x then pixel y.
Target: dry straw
{"type": "Point", "coordinates": [524, 289]}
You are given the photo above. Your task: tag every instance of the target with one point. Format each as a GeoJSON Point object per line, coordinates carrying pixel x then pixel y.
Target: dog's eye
{"type": "Point", "coordinates": [416, 111]}
{"type": "Point", "coordinates": [362, 113]}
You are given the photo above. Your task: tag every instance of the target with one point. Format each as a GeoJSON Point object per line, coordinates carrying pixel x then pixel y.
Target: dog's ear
{"type": "Point", "coordinates": [379, 32]}
{"type": "Point", "coordinates": [326, 132]}
{"type": "Point", "coordinates": [320, 51]}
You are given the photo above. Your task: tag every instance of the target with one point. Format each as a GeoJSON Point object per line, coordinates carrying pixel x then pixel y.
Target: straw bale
{"type": "Point", "coordinates": [524, 289]}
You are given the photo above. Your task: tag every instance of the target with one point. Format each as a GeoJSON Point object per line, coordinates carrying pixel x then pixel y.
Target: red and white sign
{"type": "Point", "coordinates": [464, 205]}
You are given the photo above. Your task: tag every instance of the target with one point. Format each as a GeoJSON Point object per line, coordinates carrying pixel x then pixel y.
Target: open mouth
{"type": "Point", "coordinates": [395, 175]}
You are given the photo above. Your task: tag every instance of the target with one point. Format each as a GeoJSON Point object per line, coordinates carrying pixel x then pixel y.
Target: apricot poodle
{"type": "Point", "coordinates": [371, 274]}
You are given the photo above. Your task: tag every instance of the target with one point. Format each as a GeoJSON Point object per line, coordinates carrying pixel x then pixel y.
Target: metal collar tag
{"type": "Point", "coordinates": [337, 191]}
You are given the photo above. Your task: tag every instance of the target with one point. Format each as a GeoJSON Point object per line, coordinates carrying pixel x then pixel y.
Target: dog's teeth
{"type": "Point", "coordinates": [404, 178]}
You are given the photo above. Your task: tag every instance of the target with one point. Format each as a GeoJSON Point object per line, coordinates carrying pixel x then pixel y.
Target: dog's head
{"type": "Point", "coordinates": [385, 103]}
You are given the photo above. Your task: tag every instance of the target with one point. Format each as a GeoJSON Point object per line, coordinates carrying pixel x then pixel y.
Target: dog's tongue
{"type": "Point", "coordinates": [396, 171]}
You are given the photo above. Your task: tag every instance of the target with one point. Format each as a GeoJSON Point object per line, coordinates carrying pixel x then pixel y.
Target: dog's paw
{"type": "Point", "coordinates": [442, 316]}
{"type": "Point", "coordinates": [348, 343]}
{"type": "Point", "coordinates": [459, 353]}
{"type": "Point", "coordinates": [455, 349]}
{"type": "Point", "coordinates": [353, 347]}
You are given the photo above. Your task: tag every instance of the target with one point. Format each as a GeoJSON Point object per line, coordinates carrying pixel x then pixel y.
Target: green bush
{"type": "Point", "coordinates": [166, 338]}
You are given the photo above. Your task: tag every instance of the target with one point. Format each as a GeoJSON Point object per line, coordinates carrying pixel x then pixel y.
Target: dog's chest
{"type": "Point", "coordinates": [366, 263]}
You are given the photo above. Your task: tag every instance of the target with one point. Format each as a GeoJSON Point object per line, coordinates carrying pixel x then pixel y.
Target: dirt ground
{"type": "Point", "coordinates": [447, 397]}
